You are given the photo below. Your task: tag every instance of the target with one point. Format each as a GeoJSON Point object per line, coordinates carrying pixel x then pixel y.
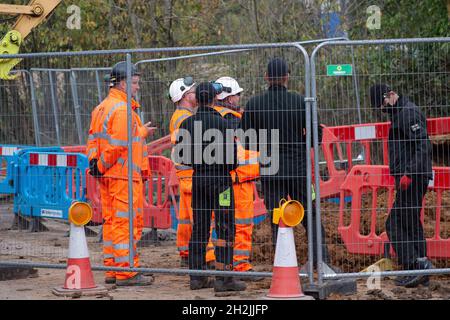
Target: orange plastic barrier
{"type": "Point", "coordinates": [364, 178]}
{"type": "Point", "coordinates": [158, 146]}
{"type": "Point", "coordinates": [155, 147]}
{"type": "Point", "coordinates": [330, 187]}
{"type": "Point", "coordinates": [366, 135]}
{"type": "Point", "coordinates": [93, 195]}
{"type": "Point", "coordinates": [158, 193]}
{"type": "Point", "coordinates": [258, 204]}
{"type": "Point", "coordinates": [75, 149]}
{"type": "Point", "coordinates": [158, 197]}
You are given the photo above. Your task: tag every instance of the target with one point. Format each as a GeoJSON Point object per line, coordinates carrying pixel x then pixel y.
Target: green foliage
{"type": "Point", "coordinates": [402, 19]}
{"type": "Point", "coordinates": [108, 24]}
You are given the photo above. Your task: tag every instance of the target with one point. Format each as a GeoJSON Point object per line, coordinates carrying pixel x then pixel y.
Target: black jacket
{"type": "Point", "coordinates": [280, 109]}
{"type": "Point", "coordinates": [223, 153]}
{"type": "Point", "coordinates": [410, 149]}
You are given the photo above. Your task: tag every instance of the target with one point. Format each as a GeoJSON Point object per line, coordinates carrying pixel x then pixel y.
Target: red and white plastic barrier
{"type": "Point", "coordinates": [8, 151]}
{"type": "Point", "coordinates": [363, 178]}
{"type": "Point", "coordinates": [53, 160]}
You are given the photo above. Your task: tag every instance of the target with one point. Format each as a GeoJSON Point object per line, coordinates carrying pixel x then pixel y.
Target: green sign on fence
{"type": "Point", "coordinates": [339, 70]}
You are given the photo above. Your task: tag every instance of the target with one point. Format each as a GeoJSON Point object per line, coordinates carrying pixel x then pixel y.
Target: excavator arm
{"type": "Point", "coordinates": [30, 16]}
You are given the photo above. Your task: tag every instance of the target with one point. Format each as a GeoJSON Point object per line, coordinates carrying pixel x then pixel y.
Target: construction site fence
{"type": "Point", "coordinates": [355, 159]}
{"type": "Point", "coordinates": [50, 104]}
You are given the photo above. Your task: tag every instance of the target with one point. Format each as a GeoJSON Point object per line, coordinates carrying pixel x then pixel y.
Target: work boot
{"type": "Point", "coordinates": [211, 265]}
{"type": "Point", "coordinates": [415, 280]}
{"type": "Point", "coordinates": [184, 262]}
{"type": "Point", "coordinates": [137, 280]}
{"type": "Point", "coordinates": [110, 280]}
{"type": "Point", "coordinates": [198, 283]}
{"type": "Point", "coordinates": [223, 284]}
{"type": "Point", "coordinates": [253, 278]}
{"type": "Point", "coordinates": [412, 281]}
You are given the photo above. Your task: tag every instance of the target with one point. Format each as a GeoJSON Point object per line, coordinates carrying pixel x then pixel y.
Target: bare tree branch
{"type": "Point", "coordinates": [134, 23]}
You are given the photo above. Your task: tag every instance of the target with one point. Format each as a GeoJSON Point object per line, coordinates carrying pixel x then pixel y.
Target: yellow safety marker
{"type": "Point", "coordinates": [291, 212]}
{"type": "Point", "coordinates": [80, 213]}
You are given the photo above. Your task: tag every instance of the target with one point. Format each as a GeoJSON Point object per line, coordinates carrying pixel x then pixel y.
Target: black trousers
{"type": "Point", "coordinates": [276, 189]}
{"type": "Point", "coordinates": [212, 194]}
{"type": "Point", "coordinates": [403, 226]}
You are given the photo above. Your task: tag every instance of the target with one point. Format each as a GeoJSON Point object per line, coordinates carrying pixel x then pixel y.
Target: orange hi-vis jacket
{"type": "Point", "coordinates": [248, 166]}
{"type": "Point", "coordinates": [180, 114]}
{"type": "Point", "coordinates": [108, 138]}
{"type": "Point", "coordinates": [184, 173]}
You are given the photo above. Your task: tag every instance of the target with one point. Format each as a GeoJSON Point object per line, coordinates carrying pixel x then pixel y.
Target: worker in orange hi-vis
{"type": "Point", "coordinates": [247, 170]}
{"type": "Point", "coordinates": [182, 94]}
{"type": "Point", "coordinates": [107, 150]}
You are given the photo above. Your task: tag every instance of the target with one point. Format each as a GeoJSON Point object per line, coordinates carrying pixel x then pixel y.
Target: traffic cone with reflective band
{"type": "Point", "coordinates": [285, 279]}
{"type": "Point", "coordinates": [79, 277]}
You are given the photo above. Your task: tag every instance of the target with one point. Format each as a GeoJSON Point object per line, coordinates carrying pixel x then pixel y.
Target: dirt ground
{"type": "Point", "coordinates": [52, 247]}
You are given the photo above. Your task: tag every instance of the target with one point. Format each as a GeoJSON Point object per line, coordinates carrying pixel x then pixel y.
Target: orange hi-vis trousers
{"type": "Point", "coordinates": [244, 210]}
{"type": "Point", "coordinates": [116, 228]}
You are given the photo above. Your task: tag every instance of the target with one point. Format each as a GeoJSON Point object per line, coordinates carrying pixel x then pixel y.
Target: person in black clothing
{"type": "Point", "coordinates": [211, 188]}
{"type": "Point", "coordinates": [282, 114]}
{"type": "Point", "coordinates": [410, 163]}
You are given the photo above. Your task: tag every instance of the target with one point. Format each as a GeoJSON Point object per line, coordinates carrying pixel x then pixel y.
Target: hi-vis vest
{"type": "Point", "coordinates": [108, 138]}
{"type": "Point", "coordinates": [184, 172]}
{"type": "Point", "coordinates": [248, 166]}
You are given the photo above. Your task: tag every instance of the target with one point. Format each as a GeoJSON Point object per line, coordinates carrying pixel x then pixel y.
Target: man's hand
{"type": "Point", "coordinates": [93, 169]}
{"type": "Point", "coordinates": [149, 130]}
{"type": "Point", "coordinates": [405, 181]}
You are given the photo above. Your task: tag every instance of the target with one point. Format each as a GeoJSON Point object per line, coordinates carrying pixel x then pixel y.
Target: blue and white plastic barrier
{"type": "Point", "coordinates": [48, 182]}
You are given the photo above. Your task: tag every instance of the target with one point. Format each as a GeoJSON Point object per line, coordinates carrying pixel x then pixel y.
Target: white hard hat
{"type": "Point", "coordinates": [230, 83]}
{"type": "Point", "coordinates": [179, 87]}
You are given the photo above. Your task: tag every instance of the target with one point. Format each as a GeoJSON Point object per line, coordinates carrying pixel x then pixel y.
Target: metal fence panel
{"type": "Point", "coordinates": [66, 88]}
{"type": "Point", "coordinates": [356, 157]}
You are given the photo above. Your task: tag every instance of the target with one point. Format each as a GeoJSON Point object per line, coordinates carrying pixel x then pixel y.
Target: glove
{"type": "Point", "coordinates": [405, 181]}
{"type": "Point", "coordinates": [93, 169]}
{"type": "Point", "coordinates": [145, 175]}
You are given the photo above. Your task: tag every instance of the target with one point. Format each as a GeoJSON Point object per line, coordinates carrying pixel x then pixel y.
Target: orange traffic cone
{"type": "Point", "coordinates": [285, 278]}
{"type": "Point", "coordinates": [79, 277]}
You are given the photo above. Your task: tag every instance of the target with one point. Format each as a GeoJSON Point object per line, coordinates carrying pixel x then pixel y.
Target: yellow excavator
{"type": "Point", "coordinates": [30, 16]}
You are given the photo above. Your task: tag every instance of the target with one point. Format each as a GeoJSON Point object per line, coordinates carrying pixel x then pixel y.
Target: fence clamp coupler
{"type": "Point", "coordinates": [310, 99]}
